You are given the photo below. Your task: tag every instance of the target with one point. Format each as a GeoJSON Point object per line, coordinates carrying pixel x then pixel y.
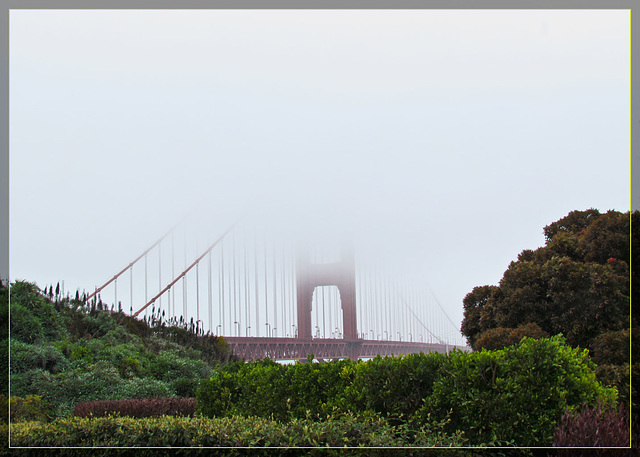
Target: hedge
{"type": "Point", "coordinates": [514, 395]}
{"type": "Point", "coordinates": [357, 433]}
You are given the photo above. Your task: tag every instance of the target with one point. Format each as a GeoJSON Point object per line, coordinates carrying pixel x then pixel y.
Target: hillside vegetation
{"type": "Point", "coordinates": [66, 352]}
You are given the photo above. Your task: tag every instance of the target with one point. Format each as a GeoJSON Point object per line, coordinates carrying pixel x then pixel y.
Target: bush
{"type": "Point", "coordinates": [33, 317]}
{"type": "Point", "coordinates": [616, 376]}
{"type": "Point", "coordinates": [143, 388]}
{"type": "Point", "coordinates": [515, 394]}
{"type": "Point", "coordinates": [600, 426]}
{"type": "Point", "coordinates": [4, 409]}
{"type": "Point", "coordinates": [171, 365]}
{"type": "Point", "coordinates": [72, 386]}
{"type": "Point", "coordinates": [31, 408]}
{"type": "Point", "coordinates": [355, 432]}
{"type": "Point", "coordinates": [143, 407]}
{"type": "Point", "coordinates": [25, 357]}
{"type": "Point", "coordinates": [512, 396]}
{"type": "Point", "coordinates": [185, 387]}
{"type": "Point", "coordinates": [394, 386]}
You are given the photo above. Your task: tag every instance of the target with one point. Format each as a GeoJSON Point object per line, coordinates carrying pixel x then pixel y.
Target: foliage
{"type": "Point", "coordinates": [517, 393]}
{"type": "Point", "coordinates": [350, 431]}
{"type": "Point", "coordinates": [31, 408]}
{"type": "Point", "coordinates": [4, 409]}
{"type": "Point", "coordinates": [394, 387]}
{"type": "Point", "coordinates": [144, 407]}
{"type": "Point", "coordinates": [577, 284]}
{"type": "Point", "coordinates": [616, 376]}
{"type": "Point", "coordinates": [390, 386]}
{"type": "Point", "coordinates": [67, 351]}
{"type": "Point", "coordinates": [511, 395]}
{"type": "Point", "coordinates": [500, 337]}
{"type": "Point", "coordinates": [614, 347]}
{"type": "Point", "coordinates": [598, 426]}
{"type": "Point", "coordinates": [33, 317]}
{"type": "Point", "coordinates": [45, 356]}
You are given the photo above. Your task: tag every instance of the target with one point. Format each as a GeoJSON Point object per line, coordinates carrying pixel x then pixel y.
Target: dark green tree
{"type": "Point", "coordinates": [577, 284]}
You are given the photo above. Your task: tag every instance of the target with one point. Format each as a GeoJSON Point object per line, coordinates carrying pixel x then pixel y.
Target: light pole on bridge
{"type": "Point", "coordinates": [247, 330]}
{"type": "Point", "coordinates": [295, 330]}
{"type": "Point", "coordinates": [237, 328]}
{"type": "Point", "coordinates": [219, 327]}
{"type": "Point", "coordinates": [274, 332]}
{"type": "Point", "coordinates": [387, 337]}
{"type": "Point", "coordinates": [268, 329]}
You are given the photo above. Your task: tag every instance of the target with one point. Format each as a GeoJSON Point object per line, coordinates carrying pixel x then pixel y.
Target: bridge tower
{"type": "Point", "coordinates": [340, 274]}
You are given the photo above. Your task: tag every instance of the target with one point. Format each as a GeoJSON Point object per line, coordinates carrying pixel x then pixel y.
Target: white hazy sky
{"type": "Point", "coordinates": [443, 140]}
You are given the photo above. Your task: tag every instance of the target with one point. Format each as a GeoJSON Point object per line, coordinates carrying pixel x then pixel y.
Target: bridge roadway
{"type": "Point", "coordinates": [281, 348]}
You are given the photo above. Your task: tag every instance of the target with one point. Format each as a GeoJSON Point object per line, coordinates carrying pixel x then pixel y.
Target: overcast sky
{"type": "Point", "coordinates": [443, 141]}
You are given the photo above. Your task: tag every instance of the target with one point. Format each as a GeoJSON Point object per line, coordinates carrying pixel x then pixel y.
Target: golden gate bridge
{"type": "Point", "coordinates": [281, 297]}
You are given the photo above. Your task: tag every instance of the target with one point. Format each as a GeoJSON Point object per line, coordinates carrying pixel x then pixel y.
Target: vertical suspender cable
{"type": "Point", "coordinates": [145, 278]}
{"type": "Point", "coordinates": [131, 286]}
{"type": "Point", "coordinates": [159, 275]}
{"type": "Point", "coordinates": [235, 284]}
{"type": "Point", "coordinates": [197, 293]}
{"type": "Point", "coordinates": [255, 280]}
{"type": "Point", "coordinates": [294, 296]}
{"type": "Point", "coordinates": [266, 296]}
{"type": "Point", "coordinates": [275, 295]}
{"type": "Point", "coordinates": [222, 301]}
{"type": "Point", "coordinates": [173, 275]}
{"type": "Point", "coordinates": [285, 314]}
{"type": "Point", "coordinates": [246, 286]}
{"type": "Point", "coordinates": [324, 322]}
{"type": "Point", "coordinates": [210, 303]}
{"type": "Point", "coordinates": [184, 282]}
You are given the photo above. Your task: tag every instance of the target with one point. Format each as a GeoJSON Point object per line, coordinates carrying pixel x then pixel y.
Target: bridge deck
{"type": "Point", "coordinates": [257, 348]}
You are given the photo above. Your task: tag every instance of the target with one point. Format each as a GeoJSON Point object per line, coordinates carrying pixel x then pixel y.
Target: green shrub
{"type": "Point", "coordinates": [4, 367]}
{"type": "Point", "coordinates": [171, 365]}
{"type": "Point", "coordinates": [616, 376]}
{"type": "Point", "coordinates": [24, 325]}
{"type": "Point", "coordinates": [393, 386]}
{"type": "Point", "coordinates": [185, 387]}
{"type": "Point", "coordinates": [355, 432]}
{"type": "Point", "coordinates": [25, 357]}
{"type": "Point", "coordinates": [144, 388]}
{"type": "Point", "coordinates": [30, 408]}
{"type": "Point", "coordinates": [515, 394]}
{"type": "Point", "coordinates": [4, 409]}
{"type": "Point", "coordinates": [129, 359]}
{"type": "Point", "coordinates": [99, 382]}
{"type": "Point", "coordinates": [33, 317]}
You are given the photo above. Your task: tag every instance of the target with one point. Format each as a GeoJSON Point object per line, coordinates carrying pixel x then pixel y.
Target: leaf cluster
{"type": "Point", "coordinates": [512, 395]}
{"type": "Point", "coordinates": [577, 284]}
{"type": "Point", "coordinates": [347, 435]}
{"type": "Point", "coordinates": [68, 351]}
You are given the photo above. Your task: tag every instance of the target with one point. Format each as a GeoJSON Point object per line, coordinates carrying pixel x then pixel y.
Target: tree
{"type": "Point", "coordinates": [577, 284]}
